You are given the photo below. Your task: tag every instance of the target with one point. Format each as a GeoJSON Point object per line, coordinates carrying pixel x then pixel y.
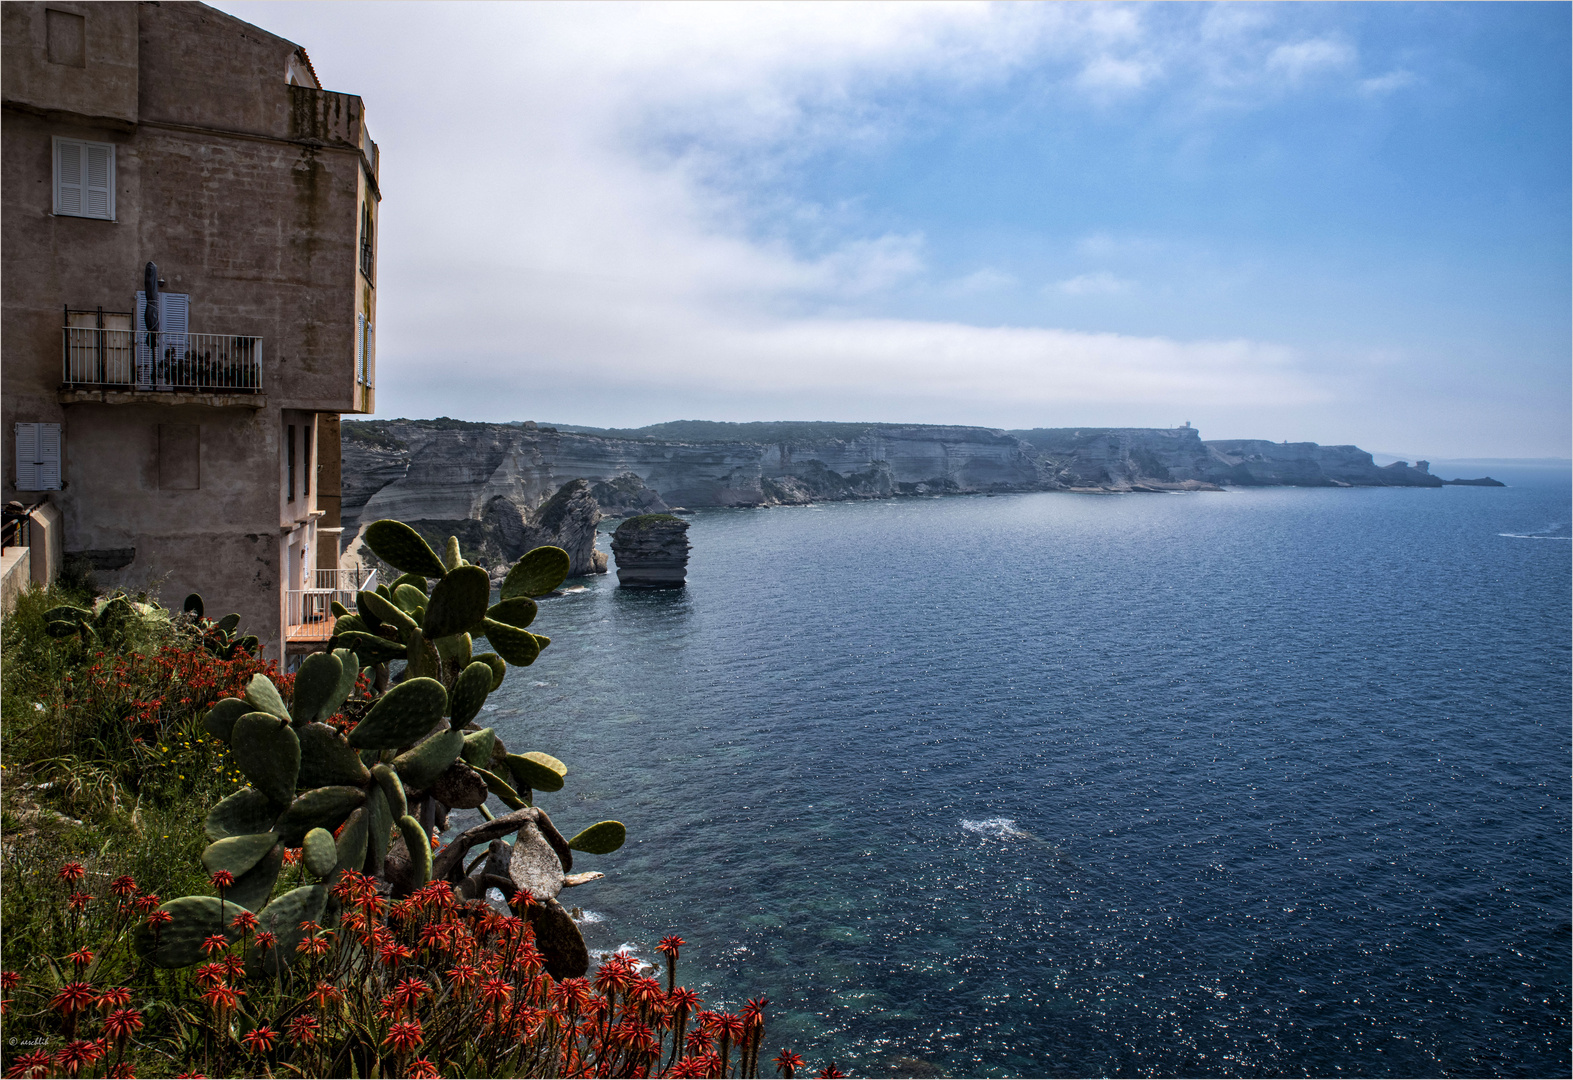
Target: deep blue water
{"type": "Point", "coordinates": [1268, 782]}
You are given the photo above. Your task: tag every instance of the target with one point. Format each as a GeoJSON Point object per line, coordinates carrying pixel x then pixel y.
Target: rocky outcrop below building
{"type": "Point", "coordinates": [651, 552]}
{"type": "Point", "coordinates": [498, 478]}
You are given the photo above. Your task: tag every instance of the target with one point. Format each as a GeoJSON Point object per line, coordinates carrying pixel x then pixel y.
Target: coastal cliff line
{"type": "Point", "coordinates": [504, 487]}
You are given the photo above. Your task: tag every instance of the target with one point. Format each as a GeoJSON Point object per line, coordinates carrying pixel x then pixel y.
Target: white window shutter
{"type": "Point", "coordinates": [369, 352]}
{"type": "Point", "coordinates": [38, 457]}
{"type": "Point", "coordinates": [48, 457]}
{"type": "Point", "coordinates": [68, 177]}
{"type": "Point", "coordinates": [99, 190]}
{"type": "Point", "coordinates": [26, 453]}
{"type": "Point", "coordinates": [360, 348]}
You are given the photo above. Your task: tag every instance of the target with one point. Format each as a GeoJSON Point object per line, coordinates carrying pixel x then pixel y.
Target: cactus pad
{"type": "Point", "coordinates": [469, 694]}
{"type": "Point", "coordinates": [393, 788]}
{"type": "Point", "coordinates": [264, 696]}
{"type": "Point", "coordinates": [252, 889]}
{"type": "Point", "coordinates": [519, 611]}
{"type": "Point", "coordinates": [351, 669]}
{"type": "Point", "coordinates": [379, 826]}
{"type": "Point", "coordinates": [283, 919]}
{"type": "Point", "coordinates": [541, 771]}
{"type": "Point", "coordinates": [402, 548]}
{"type": "Point", "coordinates": [422, 657]}
{"type": "Point", "coordinates": [455, 649]}
{"type": "Point", "coordinates": [326, 758]}
{"type": "Point", "coordinates": [602, 838]}
{"type": "Point", "coordinates": [414, 581]}
{"type": "Point", "coordinates": [478, 747]}
{"type": "Point", "coordinates": [376, 608]}
{"type": "Point", "coordinates": [418, 767]}
{"type": "Point", "coordinates": [351, 846]}
{"type": "Point", "coordinates": [514, 645]}
{"type": "Point", "coordinates": [237, 854]}
{"type": "Point", "coordinates": [246, 811]}
{"type": "Point", "coordinates": [315, 684]}
{"type": "Point", "coordinates": [458, 602]}
{"type": "Point", "coordinates": [409, 598]}
{"type": "Point", "coordinates": [402, 715]}
{"type": "Point", "coordinates": [496, 663]}
{"type": "Point", "coordinates": [320, 853]}
{"type": "Point", "coordinates": [369, 648]}
{"type": "Point", "coordinates": [451, 558]}
{"type": "Point", "coordinates": [323, 807]}
{"type": "Point", "coordinates": [267, 751]}
{"type": "Point", "coordinates": [537, 573]}
{"type": "Point", "coordinates": [220, 719]}
{"type": "Point", "coordinates": [179, 943]}
{"type": "Point", "coordinates": [419, 845]}
{"type": "Point", "coordinates": [501, 788]}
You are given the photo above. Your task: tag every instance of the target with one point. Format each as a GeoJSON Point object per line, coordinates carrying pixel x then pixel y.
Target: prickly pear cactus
{"type": "Point", "coordinates": [388, 783]}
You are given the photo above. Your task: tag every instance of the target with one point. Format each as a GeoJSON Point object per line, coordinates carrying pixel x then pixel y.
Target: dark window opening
{"type": "Point", "coordinates": [366, 262]}
{"type": "Point", "coordinates": [289, 457]}
{"type": "Point", "coordinates": [306, 460]}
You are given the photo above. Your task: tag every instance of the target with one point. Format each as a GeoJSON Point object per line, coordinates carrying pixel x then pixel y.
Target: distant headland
{"type": "Point", "coordinates": [492, 479]}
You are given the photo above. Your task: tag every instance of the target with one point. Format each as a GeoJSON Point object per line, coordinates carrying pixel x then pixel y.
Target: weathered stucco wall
{"type": "Point", "coordinates": [247, 192]}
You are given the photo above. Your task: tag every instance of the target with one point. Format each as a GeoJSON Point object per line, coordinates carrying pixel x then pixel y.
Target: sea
{"type": "Point", "coordinates": [1263, 782]}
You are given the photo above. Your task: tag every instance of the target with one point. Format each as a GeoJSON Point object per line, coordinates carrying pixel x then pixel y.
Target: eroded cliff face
{"type": "Point", "coordinates": [496, 477]}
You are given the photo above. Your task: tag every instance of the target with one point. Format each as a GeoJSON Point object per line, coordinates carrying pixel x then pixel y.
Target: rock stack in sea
{"type": "Point", "coordinates": [651, 552]}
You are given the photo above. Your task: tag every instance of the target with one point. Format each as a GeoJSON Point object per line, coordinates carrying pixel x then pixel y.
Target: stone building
{"type": "Point", "coordinates": [200, 455]}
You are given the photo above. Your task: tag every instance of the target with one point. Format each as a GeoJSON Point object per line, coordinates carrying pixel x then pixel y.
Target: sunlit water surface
{"type": "Point", "coordinates": [1257, 783]}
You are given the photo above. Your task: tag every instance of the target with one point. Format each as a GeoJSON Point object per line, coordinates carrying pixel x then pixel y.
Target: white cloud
{"type": "Point", "coordinates": [1310, 57]}
{"type": "Point", "coordinates": [568, 197]}
{"type": "Point", "coordinates": [1384, 84]}
{"type": "Point", "coordinates": [986, 280]}
{"type": "Point", "coordinates": [1099, 283]}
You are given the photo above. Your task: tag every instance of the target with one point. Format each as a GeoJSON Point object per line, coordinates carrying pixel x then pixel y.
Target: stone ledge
{"type": "Point", "coordinates": [71, 396]}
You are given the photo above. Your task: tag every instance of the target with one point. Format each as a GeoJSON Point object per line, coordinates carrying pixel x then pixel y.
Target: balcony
{"type": "Point", "coordinates": [309, 618]}
{"type": "Point", "coordinates": [169, 367]}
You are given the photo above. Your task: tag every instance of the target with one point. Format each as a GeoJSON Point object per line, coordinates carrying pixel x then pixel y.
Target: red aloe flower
{"type": "Point", "coordinates": [404, 1036]}
{"type": "Point", "coordinates": [118, 998]}
{"type": "Point", "coordinates": [234, 966]}
{"type": "Point", "coordinates": [669, 945]}
{"type": "Point", "coordinates": [266, 939]}
{"type": "Point", "coordinates": [495, 993]}
{"type": "Point", "coordinates": [683, 1000]}
{"type": "Point", "coordinates": [121, 1024]}
{"type": "Point", "coordinates": [9, 981]}
{"type": "Point", "coordinates": [691, 1068]}
{"type": "Point", "coordinates": [259, 1040]}
{"type": "Point", "coordinates": [221, 999]}
{"type": "Point", "coordinates": [146, 903]}
{"type": "Point", "coordinates": [121, 1071]}
{"type": "Point", "coordinates": [79, 901]}
{"type": "Point", "coordinates": [409, 991]}
{"type": "Point", "coordinates": [123, 886]}
{"type": "Point", "coordinates": [304, 1029]}
{"type": "Point", "coordinates": [831, 1072]}
{"type": "Point", "coordinates": [245, 922]}
{"type": "Point", "coordinates": [73, 997]}
{"type": "Point", "coordinates": [788, 1063]}
{"type": "Point", "coordinates": [77, 1055]}
{"type": "Point", "coordinates": [222, 879]}
{"type": "Point", "coordinates": [33, 1066]}
{"type": "Point", "coordinates": [211, 974]}
{"type": "Point", "coordinates": [81, 958]}
{"type": "Point", "coordinates": [423, 1069]}
{"type": "Point", "coordinates": [324, 993]}
{"type": "Point", "coordinates": [214, 943]}
{"type": "Point", "coordinates": [71, 871]}
{"type": "Point", "coordinates": [159, 918]}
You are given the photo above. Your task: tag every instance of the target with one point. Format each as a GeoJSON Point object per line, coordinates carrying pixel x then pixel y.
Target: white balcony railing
{"type": "Point", "coordinates": [167, 360]}
{"type": "Point", "coordinates": [315, 605]}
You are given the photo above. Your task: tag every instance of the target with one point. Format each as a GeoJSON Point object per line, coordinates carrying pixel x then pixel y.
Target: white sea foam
{"type": "Point", "coordinates": [997, 828]}
{"type": "Point", "coordinates": [1534, 536]}
{"type": "Point", "coordinates": [588, 918]}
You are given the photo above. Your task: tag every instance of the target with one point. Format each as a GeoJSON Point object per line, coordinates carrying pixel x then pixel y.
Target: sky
{"type": "Point", "coordinates": [1340, 223]}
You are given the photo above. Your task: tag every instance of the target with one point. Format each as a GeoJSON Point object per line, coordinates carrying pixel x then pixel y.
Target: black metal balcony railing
{"type": "Point", "coordinates": [167, 360]}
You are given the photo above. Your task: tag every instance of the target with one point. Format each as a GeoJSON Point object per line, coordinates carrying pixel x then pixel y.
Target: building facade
{"type": "Point", "coordinates": [184, 419]}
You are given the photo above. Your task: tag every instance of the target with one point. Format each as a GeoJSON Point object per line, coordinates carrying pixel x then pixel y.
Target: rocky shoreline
{"type": "Point", "coordinates": [504, 488]}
